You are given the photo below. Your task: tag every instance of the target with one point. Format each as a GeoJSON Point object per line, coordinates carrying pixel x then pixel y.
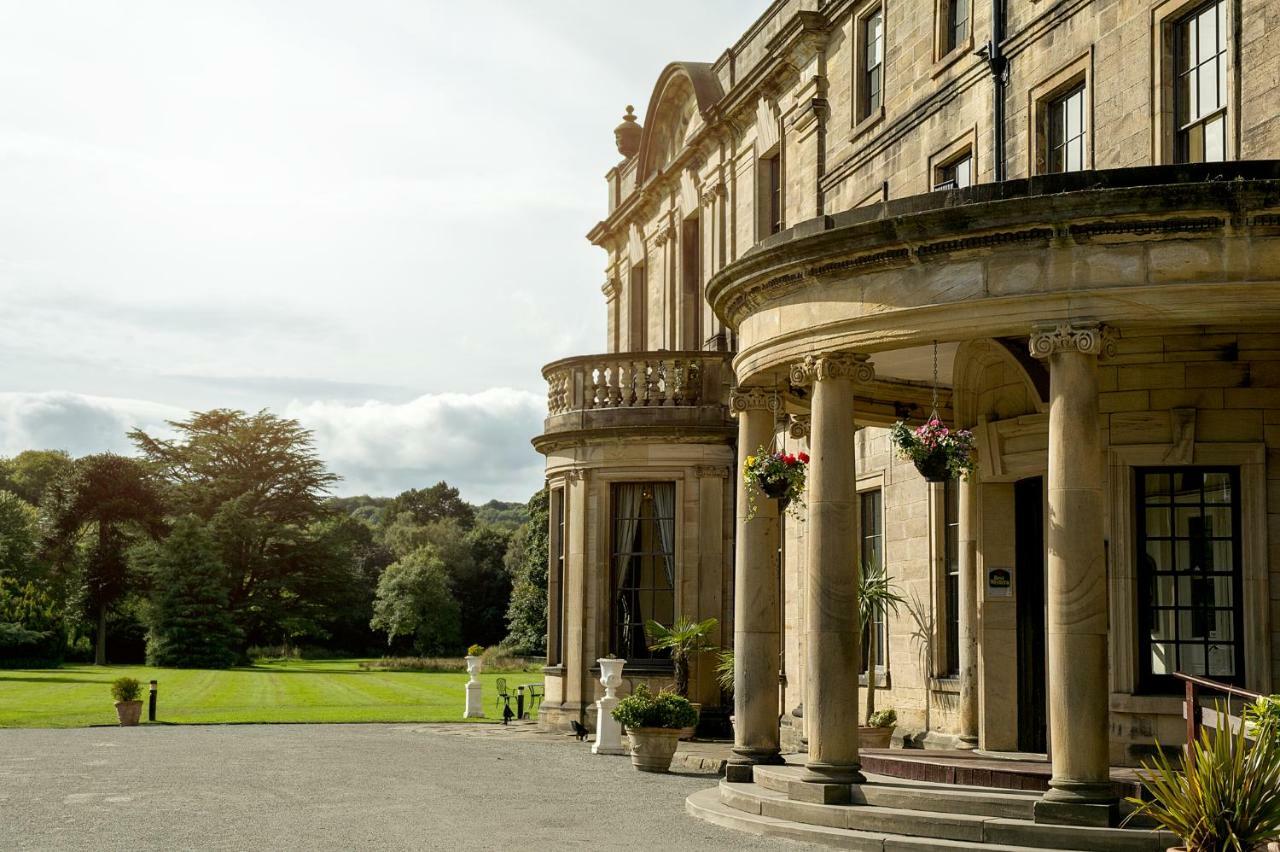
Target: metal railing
{"type": "Point", "coordinates": [1191, 706]}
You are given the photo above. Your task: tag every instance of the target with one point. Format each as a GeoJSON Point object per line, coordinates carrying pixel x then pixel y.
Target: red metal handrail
{"type": "Point", "coordinates": [1192, 705]}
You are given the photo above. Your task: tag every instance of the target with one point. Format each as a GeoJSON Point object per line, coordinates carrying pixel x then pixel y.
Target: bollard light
{"type": "Point", "coordinates": [151, 704]}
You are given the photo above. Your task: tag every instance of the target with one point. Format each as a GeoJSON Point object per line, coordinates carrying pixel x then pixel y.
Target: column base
{"type": "Point", "coordinates": [967, 743]}
{"type": "Point", "coordinates": [833, 773]}
{"type": "Point", "coordinates": [1089, 803]}
{"type": "Point", "coordinates": [739, 768]}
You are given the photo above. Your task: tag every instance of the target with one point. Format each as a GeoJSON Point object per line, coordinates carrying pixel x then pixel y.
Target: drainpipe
{"type": "Point", "coordinates": [999, 77]}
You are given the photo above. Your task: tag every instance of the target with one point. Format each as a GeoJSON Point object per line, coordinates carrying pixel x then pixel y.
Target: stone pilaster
{"type": "Point", "coordinates": [1076, 591]}
{"type": "Point", "coordinates": [832, 631]}
{"type": "Point", "coordinates": [756, 604]}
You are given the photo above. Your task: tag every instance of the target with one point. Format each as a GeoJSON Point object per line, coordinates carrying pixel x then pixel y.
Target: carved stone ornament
{"type": "Point", "coordinates": [575, 475]}
{"type": "Point", "coordinates": [747, 399]}
{"type": "Point", "coordinates": [713, 192]}
{"type": "Point", "coordinates": [834, 365]}
{"type": "Point", "coordinates": [1087, 338]}
{"type": "Point", "coordinates": [711, 471]}
{"type": "Point", "coordinates": [798, 429]}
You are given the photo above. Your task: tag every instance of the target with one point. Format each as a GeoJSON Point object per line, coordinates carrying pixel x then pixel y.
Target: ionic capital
{"type": "Point", "coordinates": [754, 399]}
{"type": "Point", "coordinates": [799, 426]}
{"type": "Point", "coordinates": [833, 365]}
{"type": "Point", "coordinates": [1087, 338]}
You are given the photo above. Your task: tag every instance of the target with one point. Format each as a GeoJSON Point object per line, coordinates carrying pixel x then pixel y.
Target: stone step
{"type": "Point", "coordinates": [706, 805]}
{"type": "Point", "coordinates": [917, 795]}
{"type": "Point", "coordinates": [937, 825]}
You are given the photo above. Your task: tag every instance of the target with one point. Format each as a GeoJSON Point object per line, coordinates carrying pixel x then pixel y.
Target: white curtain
{"type": "Point", "coordinates": [627, 513]}
{"type": "Point", "coordinates": [664, 505]}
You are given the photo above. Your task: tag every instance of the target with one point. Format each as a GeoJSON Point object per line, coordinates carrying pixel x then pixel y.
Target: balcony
{"type": "Point", "coordinates": [640, 394]}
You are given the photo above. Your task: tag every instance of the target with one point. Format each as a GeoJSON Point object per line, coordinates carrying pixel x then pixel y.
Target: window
{"type": "Point", "coordinates": [555, 624]}
{"type": "Point", "coordinates": [873, 63]}
{"type": "Point", "coordinates": [1200, 85]}
{"type": "Point", "coordinates": [1066, 132]}
{"type": "Point", "coordinates": [770, 195]}
{"type": "Point", "coordinates": [956, 173]}
{"type": "Point", "coordinates": [639, 309]}
{"type": "Point", "coordinates": [1189, 577]}
{"type": "Point", "coordinates": [951, 564]}
{"type": "Point", "coordinates": [871, 552]}
{"type": "Point", "coordinates": [644, 565]}
{"type": "Point", "coordinates": [691, 284]}
{"type": "Point", "coordinates": [956, 32]}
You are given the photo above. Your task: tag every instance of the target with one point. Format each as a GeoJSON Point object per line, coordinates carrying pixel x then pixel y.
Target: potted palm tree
{"type": "Point", "coordinates": [684, 641]}
{"type": "Point", "coordinates": [653, 724]}
{"type": "Point", "coordinates": [125, 691]}
{"type": "Point", "coordinates": [1226, 798]}
{"type": "Point", "coordinates": [877, 597]}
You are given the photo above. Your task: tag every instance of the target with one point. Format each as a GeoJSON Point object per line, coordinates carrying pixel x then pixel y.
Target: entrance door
{"type": "Point", "coordinates": [1028, 498]}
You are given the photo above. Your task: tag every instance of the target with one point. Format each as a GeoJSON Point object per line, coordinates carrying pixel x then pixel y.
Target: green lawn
{"type": "Point", "coordinates": [296, 691]}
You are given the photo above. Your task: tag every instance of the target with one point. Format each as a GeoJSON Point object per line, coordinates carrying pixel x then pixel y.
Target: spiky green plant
{"type": "Point", "coordinates": [684, 640]}
{"type": "Point", "coordinates": [877, 596]}
{"type": "Point", "coordinates": [1226, 800]}
{"type": "Point", "coordinates": [724, 671]}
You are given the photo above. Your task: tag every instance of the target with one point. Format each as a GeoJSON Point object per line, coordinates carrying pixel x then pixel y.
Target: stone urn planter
{"type": "Point", "coordinates": [686, 733]}
{"type": "Point", "coordinates": [653, 748]}
{"type": "Point", "coordinates": [129, 713]}
{"type": "Point", "coordinates": [874, 737]}
{"type": "Point", "coordinates": [608, 730]}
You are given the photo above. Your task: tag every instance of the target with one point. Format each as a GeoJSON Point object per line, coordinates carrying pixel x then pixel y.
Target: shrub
{"type": "Point", "coordinates": [643, 709]}
{"type": "Point", "coordinates": [475, 651]}
{"type": "Point", "coordinates": [1228, 799]}
{"type": "Point", "coordinates": [886, 718]}
{"type": "Point", "coordinates": [1263, 717]}
{"type": "Point", "coordinates": [724, 671]}
{"type": "Point", "coordinates": [496, 661]}
{"type": "Point", "coordinates": [126, 689]}
{"type": "Point", "coordinates": [31, 630]}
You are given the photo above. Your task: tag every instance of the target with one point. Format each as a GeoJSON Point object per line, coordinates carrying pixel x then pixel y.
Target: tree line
{"type": "Point", "coordinates": [226, 537]}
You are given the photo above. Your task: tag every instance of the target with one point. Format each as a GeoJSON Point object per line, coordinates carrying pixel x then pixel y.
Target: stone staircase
{"type": "Point", "coordinates": [897, 815]}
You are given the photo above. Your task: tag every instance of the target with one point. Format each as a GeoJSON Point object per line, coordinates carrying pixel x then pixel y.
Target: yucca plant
{"type": "Point", "coordinates": [1227, 800]}
{"type": "Point", "coordinates": [724, 671]}
{"type": "Point", "coordinates": [684, 640]}
{"type": "Point", "coordinates": [877, 596]}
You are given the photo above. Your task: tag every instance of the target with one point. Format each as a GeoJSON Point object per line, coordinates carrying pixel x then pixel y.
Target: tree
{"type": "Point", "coordinates": [414, 601]}
{"type": "Point", "coordinates": [189, 623]}
{"type": "Point", "coordinates": [684, 641]}
{"type": "Point", "coordinates": [18, 537]}
{"type": "Point", "coordinates": [484, 591]}
{"type": "Point", "coordinates": [526, 561]}
{"type": "Point", "coordinates": [29, 473]}
{"type": "Point", "coordinates": [31, 631]}
{"type": "Point", "coordinates": [258, 481]}
{"type": "Point", "coordinates": [118, 499]}
{"type": "Point", "coordinates": [436, 503]}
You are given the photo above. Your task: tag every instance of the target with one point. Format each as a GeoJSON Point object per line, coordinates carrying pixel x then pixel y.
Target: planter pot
{"type": "Point", "coordinates": [934, 467]}
{"type": "Point", "coordinates": [129, 712]}
{"type": "Point", "coordinates": [775, 488]}
{"type": "Point", "coordinates": [874, 737]}
{"type": "Point", "coordinates": [687, 733]}
{"type": "Point", "coordinates": [653, 748]}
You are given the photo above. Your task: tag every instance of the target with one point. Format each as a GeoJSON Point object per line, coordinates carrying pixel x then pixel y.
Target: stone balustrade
{"type": "Point", "coordinates": [637, 389]}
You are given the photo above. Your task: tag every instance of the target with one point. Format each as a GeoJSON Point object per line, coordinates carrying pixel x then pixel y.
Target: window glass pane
{"type": "Point", "coordinates": [1215, 141]}
{"type": "Point", "coordinates": [1159, 556]}
{"type": "Point", "coordinates": [1162, 624]}
{"type": "Point", "coordinates": [1217, 488]}
{"type": "Point", "coordinates": [1191, 659]}
{"type": "Point", "coordinates": [1162, 589]}
{"type": "Point", "coordinates": [1156, 486]}
{"type": "Point", "coordinates": [1207, 37]}
{"type": "Point", "coordinates": [1158, 522]}
{"type": "Point", "coordinates": [1222, 661]}
{"type": "Point", "coordinates": [1163, 660]}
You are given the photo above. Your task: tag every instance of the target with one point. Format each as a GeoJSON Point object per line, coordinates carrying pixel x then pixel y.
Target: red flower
{"type": "Point", "coordinates": [804, 458]}
{"type": "Point", "coordinates": [789, 459]}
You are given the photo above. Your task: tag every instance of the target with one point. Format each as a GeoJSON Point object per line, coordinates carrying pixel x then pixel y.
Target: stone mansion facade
{"type": "Point", "coordinates": [1060, 216]}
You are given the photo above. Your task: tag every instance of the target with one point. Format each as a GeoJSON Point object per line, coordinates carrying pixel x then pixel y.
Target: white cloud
{"type": "Point", "coordinates": [477, 442]}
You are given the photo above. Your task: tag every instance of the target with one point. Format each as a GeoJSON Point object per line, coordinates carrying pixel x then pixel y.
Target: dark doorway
{"type": "Point", "coordinates": [1028, 513]}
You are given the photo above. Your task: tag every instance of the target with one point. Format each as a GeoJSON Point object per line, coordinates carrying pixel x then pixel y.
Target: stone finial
{"type": "Point", "coordinates": [1087, 338]}
{"type": "Point", "coordinates": [833, 365]}
{"type": "Point", "coordinates": [627, 134]}
{"type": "Point", "coordinates": [746, 399]}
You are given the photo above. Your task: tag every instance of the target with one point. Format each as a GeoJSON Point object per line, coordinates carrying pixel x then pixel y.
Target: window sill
{"type": "Point", "coordinates": [867, 123]}
{"type": "Point", "coordinates": [957, 53]}
{"type": "Point", "coordinates": [948, 685]}
{"type": "Point", "coordinates": [883, 681]}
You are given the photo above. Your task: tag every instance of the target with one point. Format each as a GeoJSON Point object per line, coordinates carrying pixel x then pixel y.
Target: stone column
{"type": "Point", "coordinates": [755, 599]}
{"type": "Point", "coordinates": [832, 631]}
{"type": "Point", "coordinates": [1076, 592]}
{"type": "Point", "coordinates": [967, 539]}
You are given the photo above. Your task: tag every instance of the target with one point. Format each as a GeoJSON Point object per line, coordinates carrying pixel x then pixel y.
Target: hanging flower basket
{"type": "Point", "coordinates": [937, 452]}
{"type": "Point", "coordinates": [778, 476]}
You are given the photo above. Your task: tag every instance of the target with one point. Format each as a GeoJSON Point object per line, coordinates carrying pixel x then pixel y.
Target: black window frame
{"type": "Point", "coordinates": [947, 175]}
{"type": "Point", "coordinates": [1184, 125]}
{"type": "Point", "coordinates": [872, 75]}
{"type": "Point", "coordinates": [871, 508]}
{"type": "Point", "coordinates": [956, 25]}
{"type": "Point", "coordinates": [1149, 681]}
{"type": "Point", "coordinates": [624, 636]}
{"type": "Point", "coordinates": [555, 624]}
{"type": "Point", "coordinates": [951, 577]}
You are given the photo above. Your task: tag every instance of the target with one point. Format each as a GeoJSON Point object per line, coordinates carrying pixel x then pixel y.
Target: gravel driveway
{"type": "Point", "coordinates": [313, 787]}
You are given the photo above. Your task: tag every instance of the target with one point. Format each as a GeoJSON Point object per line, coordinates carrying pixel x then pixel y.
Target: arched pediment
{"type": "Point", "coordinates": [685, 91]}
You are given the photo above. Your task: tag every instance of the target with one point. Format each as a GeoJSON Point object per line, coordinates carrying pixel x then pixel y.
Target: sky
{"type": "Point", "coordinates": [367, 215]}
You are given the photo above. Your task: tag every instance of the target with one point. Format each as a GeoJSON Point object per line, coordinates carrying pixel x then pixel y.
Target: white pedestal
{"type": "Point", "coordinates": [475, 701]}
{"type": "Point", "coordinates": [608, 729]}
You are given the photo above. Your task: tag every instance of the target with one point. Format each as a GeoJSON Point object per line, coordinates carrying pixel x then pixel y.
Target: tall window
{"type": "Point", "coordinates": [1200, 84]}
{"type": "Point", "coordinates": [1066, 132]}
{"type": "Point", "coordinates": [956, 173]}
{"type": "Point", "coordinates": [639, 309]}
{"type": "Point", "coordinates": [871, 552]}
{"type": "Point", "coordinates": [555, 640]}
{"type": "Point", "coordinates": [691, 283]}
{"type": "Point", "coordinates": [951, 564]}
{"type": "Point", "coordinates": [873, 63]}
{"type": "Point", "coordinates": [957, 25]}
{"type": "Point", "coordinates": [770, 194]}
{"type": "Point", "coordinates": [1189, 577]}
{"type": "Point", "coordinates": [644, 565]}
